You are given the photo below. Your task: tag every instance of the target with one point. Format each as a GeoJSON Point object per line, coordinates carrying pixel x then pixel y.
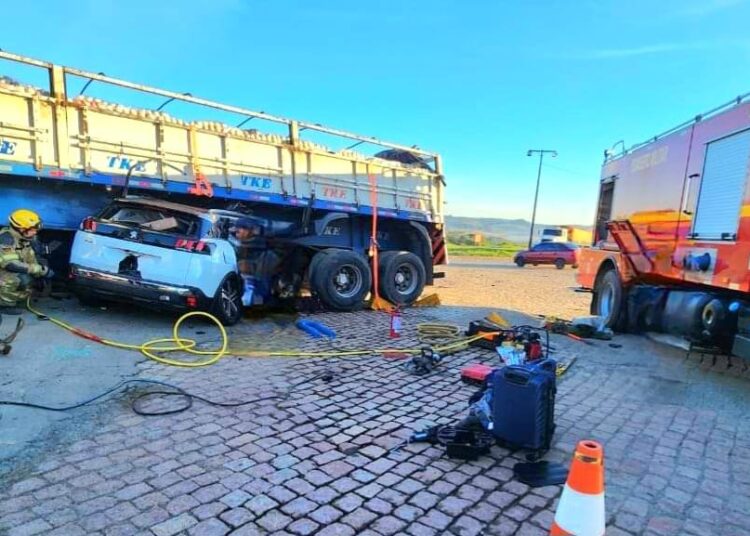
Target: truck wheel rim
{"type": "Point", "coordinates": [347, 281]}
{"type": "Point", "coordinates": [405, 279]}
{"type": "Point", "coordinates": [229, 299]}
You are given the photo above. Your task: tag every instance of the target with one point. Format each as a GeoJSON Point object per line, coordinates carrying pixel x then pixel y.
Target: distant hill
{"type": "Point", "coordinates": [496, 229]}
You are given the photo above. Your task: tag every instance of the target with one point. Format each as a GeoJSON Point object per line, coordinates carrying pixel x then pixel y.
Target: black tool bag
{"type": "Point", "coordinates": [478, 327]}
{"type": "Point", "coordinates": [523, 406]}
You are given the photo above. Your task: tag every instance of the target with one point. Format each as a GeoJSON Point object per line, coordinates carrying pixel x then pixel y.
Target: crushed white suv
{"type": "Point", "coordinates": [159, 253]}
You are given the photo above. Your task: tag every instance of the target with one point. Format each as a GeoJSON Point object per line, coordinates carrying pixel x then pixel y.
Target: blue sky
{"type": "Point", "coordinates": [478, 81]}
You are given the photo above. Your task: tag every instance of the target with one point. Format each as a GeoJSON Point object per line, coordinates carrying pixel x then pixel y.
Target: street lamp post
{"type": "Point", "coordinates": [541, 152]}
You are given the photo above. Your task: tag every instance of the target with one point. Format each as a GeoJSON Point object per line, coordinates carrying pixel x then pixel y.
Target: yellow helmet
{"type": "Point", "coordinates": [23, 219]}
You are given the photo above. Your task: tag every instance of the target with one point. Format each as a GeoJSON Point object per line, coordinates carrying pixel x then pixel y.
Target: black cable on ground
{"type": "Point", "coordinates": [137, 403]}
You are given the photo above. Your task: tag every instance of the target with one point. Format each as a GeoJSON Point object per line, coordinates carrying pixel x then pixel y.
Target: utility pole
{"type": "Point", "coordinates": [541, 152]}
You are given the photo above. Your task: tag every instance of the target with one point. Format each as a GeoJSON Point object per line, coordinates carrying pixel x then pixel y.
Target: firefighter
{"type": "Point", "coordinates": [246, 241]}
{"type": "Point", "coordinates": [18, 263]}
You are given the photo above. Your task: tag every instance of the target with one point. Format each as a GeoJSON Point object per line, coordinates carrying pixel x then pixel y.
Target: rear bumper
{"type": "Point", "coordinates": [131, 289]}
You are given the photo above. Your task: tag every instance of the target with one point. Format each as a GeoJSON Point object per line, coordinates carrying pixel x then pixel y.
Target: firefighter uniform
{"type": "Point", "coordinates": [18, 262]}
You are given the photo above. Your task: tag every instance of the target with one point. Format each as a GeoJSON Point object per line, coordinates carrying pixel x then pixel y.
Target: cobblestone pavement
{"type": "Point", "coordinates": [317, 460]}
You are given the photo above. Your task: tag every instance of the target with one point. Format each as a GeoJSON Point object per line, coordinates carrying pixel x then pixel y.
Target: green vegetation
{"type": "Point", "coordinates": [504, 249]}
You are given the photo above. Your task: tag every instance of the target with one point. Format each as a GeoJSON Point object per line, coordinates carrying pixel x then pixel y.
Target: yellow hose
{"type": "Point", "coordinates": [178, 344]}
{"type": "Point", "coordinates": [429, 332]}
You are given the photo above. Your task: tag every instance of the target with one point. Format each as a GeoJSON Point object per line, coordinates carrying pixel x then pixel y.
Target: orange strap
{"type": "Point", "coordinates": [374, 235]}
{"type": "Point", "coordinates": [202, 186]}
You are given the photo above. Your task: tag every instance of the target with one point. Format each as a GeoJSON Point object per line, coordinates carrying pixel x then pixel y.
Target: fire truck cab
{"type": "Point", "coordinates": [671, 246]}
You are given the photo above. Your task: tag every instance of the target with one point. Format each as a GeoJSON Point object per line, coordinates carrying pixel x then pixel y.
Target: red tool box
{"type": "Point", "coordinates": [476, 373]}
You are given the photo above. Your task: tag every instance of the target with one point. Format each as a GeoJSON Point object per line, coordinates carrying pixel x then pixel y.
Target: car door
{"type": "Point", "coordinates": [540, 253]}
{"type": "Point", "coordinates": [208, 272]}
{"type": "Point", "coordinates": [557, 251]}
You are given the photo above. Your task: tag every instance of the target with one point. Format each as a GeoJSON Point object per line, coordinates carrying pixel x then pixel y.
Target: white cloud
{"type": "Point", "coordinates": [607, 53]}
{"type": "Point", "coordinates": [701, 8]}
{"type": "Point", "coordinates": [646, 50]}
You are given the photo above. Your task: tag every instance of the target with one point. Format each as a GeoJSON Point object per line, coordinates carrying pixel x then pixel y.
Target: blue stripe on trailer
{"type": "Point", "coordinates": [152, 184]}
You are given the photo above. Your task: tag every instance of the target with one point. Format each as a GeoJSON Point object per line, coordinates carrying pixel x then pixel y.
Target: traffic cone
{"type": "Point", "coordinates": [580, 511]}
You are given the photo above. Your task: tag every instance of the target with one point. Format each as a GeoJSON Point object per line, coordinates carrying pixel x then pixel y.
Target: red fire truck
{"type": "Point", "coordinates": [671, 246]}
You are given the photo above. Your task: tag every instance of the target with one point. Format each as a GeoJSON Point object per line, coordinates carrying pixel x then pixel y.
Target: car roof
{"type": "Point", "coordinates": [177, 207]}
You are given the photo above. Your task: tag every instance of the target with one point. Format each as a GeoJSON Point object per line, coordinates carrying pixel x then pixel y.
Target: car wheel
{"type": "Point", "coordinates": [342, 279]}
{"type": "Point", "coordinates": [607, 300]}
{"type": "Point", "coordinates": [402, 277]}
{"type": "Point", "coordinates": [520, 262]}
{"type": "Point", "coordinates": [227, 306]}
{"type": "Point", "coordinates": [559, 264]}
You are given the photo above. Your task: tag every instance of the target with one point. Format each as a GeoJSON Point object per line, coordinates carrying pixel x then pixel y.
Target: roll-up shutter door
{"type": "Point", "coordinates": [722, 188]}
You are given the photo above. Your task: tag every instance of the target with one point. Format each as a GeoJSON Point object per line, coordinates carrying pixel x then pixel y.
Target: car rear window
{"type": "Point", "coordinates": [151, 218]}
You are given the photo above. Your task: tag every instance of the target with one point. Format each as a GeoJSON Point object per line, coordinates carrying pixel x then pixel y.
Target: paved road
{"type": "Point", "coordinates": [533, 289]}
{"type": "Point", "coordinates": [316, 460]}
{"type": "Point", "coordinates": [47, 364]}
{"type": "Point", "coordinates": [463, 262]}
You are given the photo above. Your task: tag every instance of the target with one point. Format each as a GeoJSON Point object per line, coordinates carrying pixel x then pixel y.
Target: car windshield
{"type": "Point", "coordinates": [552, 232]}
{"type": "Point", "coordinates": [152, 218]}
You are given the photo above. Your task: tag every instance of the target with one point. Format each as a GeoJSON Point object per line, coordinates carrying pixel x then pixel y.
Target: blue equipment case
{"type": "Point", "coordinates": [523, 406]}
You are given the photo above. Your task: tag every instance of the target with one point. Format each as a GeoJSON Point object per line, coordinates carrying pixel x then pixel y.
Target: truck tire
{"type": "Point", "coordinates": [559, 264]}
{"type": "Point", "coordinates": [313, 266]}
{"type": "Point", "coordinates": [341, 279]}
{"type": "Point", "coordinates": [402, 277]}
{"type": "Point", "coordinates": [227, 305]}
{"type": "Point", "coordinates": [608, 299]}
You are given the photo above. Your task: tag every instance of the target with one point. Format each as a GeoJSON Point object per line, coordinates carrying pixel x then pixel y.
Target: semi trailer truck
{"type": "Point", "coordinates": [315, 192]}
{"type": "Point", "coordinates": [566, 233]}
{"type": "Point", "coordinates": [671, 247]}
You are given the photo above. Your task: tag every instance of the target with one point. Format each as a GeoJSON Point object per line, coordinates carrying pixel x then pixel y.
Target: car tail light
{"type": "Point", "coordinates": [191, 301]}
{"type": "Point", "coordinates": [88, 224]}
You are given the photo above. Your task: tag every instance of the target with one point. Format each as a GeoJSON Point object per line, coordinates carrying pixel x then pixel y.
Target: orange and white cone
{"type": "Point", "coordinates": [580, 511]}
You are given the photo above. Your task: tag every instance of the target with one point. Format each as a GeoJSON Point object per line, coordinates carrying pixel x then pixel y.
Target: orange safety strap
{"type": "Point", "coordinates": [374, 236]}
{"type": "Point", "coordinates": [202, 186]}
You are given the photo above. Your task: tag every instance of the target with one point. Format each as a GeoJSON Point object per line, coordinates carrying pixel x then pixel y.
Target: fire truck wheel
{"type": "Point", "coordinates": [402, 276]}
{"type": "Point", "coordinates": [341, 280]}
{"type": "Point", "coordinates": [560, 264]}
{"type": "Point", "coordinates": [608, 296]}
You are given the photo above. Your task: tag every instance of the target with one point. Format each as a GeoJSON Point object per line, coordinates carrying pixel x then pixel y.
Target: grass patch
{"type": "Point", "coordinates": [506, 249]}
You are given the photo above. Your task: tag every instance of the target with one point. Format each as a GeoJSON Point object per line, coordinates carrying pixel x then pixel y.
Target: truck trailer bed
{"type": "Point", "coordinates": [50, 136]}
